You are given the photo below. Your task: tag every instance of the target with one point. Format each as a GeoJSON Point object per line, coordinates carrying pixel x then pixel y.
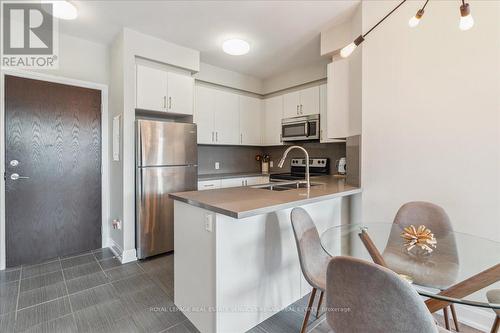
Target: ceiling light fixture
{"type": "Point", "coordinates": [415, 20]}
{"type": "Point", "coordinates": [63, 9]}
{"type": "Point", "coordinates": [236, 47]}
{"type": "Point", "coordinates": [466, 22]}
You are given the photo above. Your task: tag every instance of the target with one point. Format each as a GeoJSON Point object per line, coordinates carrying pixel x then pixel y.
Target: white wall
{"type": "Point", "coordinates": [225, 77]}
{"type": "Point", "coordinates": [431, 114]}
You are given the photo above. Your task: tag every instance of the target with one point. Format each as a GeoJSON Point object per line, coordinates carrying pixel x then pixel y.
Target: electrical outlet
{"type": "Point", "coordinates": [217, 165]}
{"type": "Point", "coordinates": [209, 222]}
{"type": "Point", "coordinates": [271, 164]}
{"type": "Point", "coordinates": [117, 224]}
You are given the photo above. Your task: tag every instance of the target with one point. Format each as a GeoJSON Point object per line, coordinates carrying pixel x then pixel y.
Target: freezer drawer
{"type": "Point", "coordinates": [166, 143]}
{"type": "Point", "coordinates": [155, 210]}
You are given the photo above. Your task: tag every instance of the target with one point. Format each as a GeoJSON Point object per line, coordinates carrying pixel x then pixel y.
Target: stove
{"type": "Point", "coordinates": [317, 167]}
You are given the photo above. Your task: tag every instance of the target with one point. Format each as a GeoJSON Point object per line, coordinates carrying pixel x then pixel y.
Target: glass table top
{"type": "Point", "coordinates": [470, 264]}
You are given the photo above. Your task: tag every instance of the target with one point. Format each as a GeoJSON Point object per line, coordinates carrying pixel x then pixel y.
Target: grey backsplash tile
{"type": "Point", "coordinates": [242, 158]}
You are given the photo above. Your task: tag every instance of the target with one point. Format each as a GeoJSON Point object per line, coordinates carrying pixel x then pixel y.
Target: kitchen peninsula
{"type": "Point", "coordinates": [236, 261]}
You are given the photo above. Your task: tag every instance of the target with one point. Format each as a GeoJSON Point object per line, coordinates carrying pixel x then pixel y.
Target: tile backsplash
{"type": "Point", "coordinates": [242, 158]}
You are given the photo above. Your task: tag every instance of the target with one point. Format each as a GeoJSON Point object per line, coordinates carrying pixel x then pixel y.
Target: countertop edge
{"type": "Point", "coordinates": [231, 175]}
{"type": "Point", "coordinates": [267, 209]}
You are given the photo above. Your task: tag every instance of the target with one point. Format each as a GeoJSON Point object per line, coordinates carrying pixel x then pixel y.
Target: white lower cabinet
{"type": "Point", "coordinates": [232, 182]}
{"type": "Point", "coordinates": [209, 184]}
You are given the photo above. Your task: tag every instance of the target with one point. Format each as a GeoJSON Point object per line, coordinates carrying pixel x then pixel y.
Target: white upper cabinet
{"type": "Point", "coordinates": [301, 103]}
{"type": "Point", "coordinates": [271, 121]}
{"type": "Point", "coordinates": [250, 121]}
{"type": "Point", "coordinates": [151, 88]}
{"type": "Point", "coordinates": [226, 120]}
{"type": "Point", "coordinates": [204, 114]}
{"type": "Point", "coordinates": [309, 101]}
{"type": "Point", "coordinates": [180, 93]}
{"type": "Point", "coordinates": [291, 103]}
{"type": "Point", "coordinates": [160, 90]}
{"type": "Point", "coordinates": [337, 114]}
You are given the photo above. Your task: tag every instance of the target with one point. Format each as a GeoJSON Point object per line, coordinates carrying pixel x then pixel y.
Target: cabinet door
{"type": "Point", "coordinates": [208, 184]}
{"type": "Point", "coordinates": [338, 99]}
{"type": "Point", "coordinates": [291, 104]}
{"type": "Point", "coordinates": [309, 101]}
{"type": "Point", "coordinates": [151, 85]}
{"type": "Point", "coordinates": [180, 93]}
{"type": "Point", "coordinates": [271, 121]}
{"type": "Point", "coordinates": [227, 122]}
{"type": "Point", "coordinates": [250, 120]}
{"type": "Point", "coordinates": [232, 182]}
{"type": "Point", "coordinates": [204, 114]}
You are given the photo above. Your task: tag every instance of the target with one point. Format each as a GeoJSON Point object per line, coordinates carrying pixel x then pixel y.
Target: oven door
{"type": "Point", "coordinates": [300, 129]}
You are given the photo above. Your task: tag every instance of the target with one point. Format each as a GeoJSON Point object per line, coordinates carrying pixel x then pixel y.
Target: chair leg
{"type": "Point", "coordinates": [308, 310]}
{"type": "Point", "coordinates": [319, 303]}
{"type": "Point", "coordinates": [496, 324]}
{"type": "Point", "coordinates": [454, 316]}
{"type": "Point", "coordinates": [446, 319]}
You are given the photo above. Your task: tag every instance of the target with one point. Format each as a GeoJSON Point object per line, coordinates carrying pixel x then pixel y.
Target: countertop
{"type": "Point", "coordinates": [213, 176]}
{"type": "Point", "coordinates": [246, 201]}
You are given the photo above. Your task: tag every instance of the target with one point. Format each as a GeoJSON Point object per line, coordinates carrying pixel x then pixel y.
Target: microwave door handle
{"type": "Point", "coordinates": [306, 128]}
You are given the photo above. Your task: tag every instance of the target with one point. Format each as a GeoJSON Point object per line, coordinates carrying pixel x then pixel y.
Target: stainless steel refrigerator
{"type": "Point", "coordinates": [166, 162]}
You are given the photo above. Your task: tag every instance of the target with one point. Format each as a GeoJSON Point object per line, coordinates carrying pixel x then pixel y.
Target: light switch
{"type": "Point", "coordinates": [209, 222]}
{"type": "Point", "coordinates": [271, 164]}
{"type": "Point", "coordinates": [217, 165]}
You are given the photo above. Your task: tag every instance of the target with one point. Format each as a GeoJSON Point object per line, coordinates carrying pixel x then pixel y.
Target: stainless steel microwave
{"type": "Point", "coordinates": [300, 128]}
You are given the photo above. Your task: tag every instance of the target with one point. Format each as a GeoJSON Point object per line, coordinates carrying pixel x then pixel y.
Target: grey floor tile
{"type": "Point", "coordinates": [156, 320]}
{"type": "Point", "coordinates": [64, 324]}
{"type": "Point", "coordinates": [41, 269]}
{"type": "Point", "coordinates": [7, 322]}
{"type": "Point", "coordinates": [133, 284]}
{"type": "Point", "coordinates": [74, 255]}
{"type": "Point", "coordinates": [184, 327]}
{"type": "Point", "coordinates": [92, 297]}
{"type": "Point", "coordinates": [100, 318]}
{"type": "Point", "coordinates": [86, 282]}
{"type": "Point", "coordinates": [321, 327]}
{"type": "Point", "coordinates": [301, 306]}
{"type": "Point", "coordinates": [123, 271]}
{"type": "Point", "coordinates": [41, 313]}
{"type": "Point", "coordinates": [158, 262]}
{"type": "Point", "coordinates": [41, 281]}
{"type": "Point", "coordinates": [81, 270]}
{"type": "Point", "coordinates": [75, 261]}
{"type": "Point", "coordinates": [8, 275]}
{"type": "Point", "coordinates": [42, 294]}
{"type": "Point", "coordinates": [8, 296]}
{"type": "Point", "coordinates": [283, 322]}
{"type": "Point", "coordinates": [109, 263]}
{"type": "Point", "coordinates": [152, 297]}
{"type": "Point", "coordinates": [104, 253]}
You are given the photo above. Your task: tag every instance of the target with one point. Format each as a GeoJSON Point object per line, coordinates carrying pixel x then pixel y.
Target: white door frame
{"type": "Point", "coordinates": [104, 147]}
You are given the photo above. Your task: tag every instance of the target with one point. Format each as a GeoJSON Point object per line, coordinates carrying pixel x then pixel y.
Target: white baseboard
{"type": "Point", "coordinates": [478, 318]}
{"type": "Point", "coordinates": [124, 256]}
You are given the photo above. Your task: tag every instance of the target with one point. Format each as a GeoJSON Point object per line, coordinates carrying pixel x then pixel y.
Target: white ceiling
{"type": "Point", "coordinates": [282, 34]}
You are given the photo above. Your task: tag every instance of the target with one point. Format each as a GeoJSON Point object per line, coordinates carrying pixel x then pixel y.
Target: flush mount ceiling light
{"type": "Point", "coordinates": [466, 22]}
{"type": "Point", "coordinates": [236, 47]}
{"type": "Point", "coordinates": [63, 9]}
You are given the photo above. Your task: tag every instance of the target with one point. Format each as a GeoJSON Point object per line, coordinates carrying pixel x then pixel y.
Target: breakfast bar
{"type": "Point", "coordinates": [236, 261]}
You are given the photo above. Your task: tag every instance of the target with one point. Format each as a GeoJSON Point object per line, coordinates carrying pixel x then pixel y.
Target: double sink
{"type": "Point", "coordinates": [284, 186]}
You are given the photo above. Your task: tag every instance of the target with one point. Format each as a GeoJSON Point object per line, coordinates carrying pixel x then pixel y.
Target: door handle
{"type": "Point", "coordinates": [15, 176]}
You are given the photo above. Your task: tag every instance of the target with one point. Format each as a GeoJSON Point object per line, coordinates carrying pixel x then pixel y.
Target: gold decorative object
{"type": "Point", "coordinates": [421, 237]}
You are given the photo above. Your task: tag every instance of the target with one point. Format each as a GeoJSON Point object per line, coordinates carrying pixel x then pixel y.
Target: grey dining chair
{"type": "Point", "coordinates": [439, 270]}
{"type": "Point", "coordinates": [365, 297]}
{"type": "Point", "coordinates": [493, 296]}
{"type": "Point", "coordinates": [313, 259]}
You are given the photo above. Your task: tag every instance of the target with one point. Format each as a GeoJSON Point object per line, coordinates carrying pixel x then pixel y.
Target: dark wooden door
{"type": "Point", "coordinates": [53, 136]}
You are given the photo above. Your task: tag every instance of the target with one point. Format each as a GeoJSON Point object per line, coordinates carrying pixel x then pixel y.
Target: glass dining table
{"type": "Point", "coordinates": [458, 268]}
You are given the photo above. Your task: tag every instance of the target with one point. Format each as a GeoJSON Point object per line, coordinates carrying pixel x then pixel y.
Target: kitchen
{"type": "Point", "coordinates": [210, 163]}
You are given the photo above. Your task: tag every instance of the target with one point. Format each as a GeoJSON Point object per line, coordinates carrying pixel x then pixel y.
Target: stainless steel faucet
{"type": "Point", "coordinates": [282, 161]}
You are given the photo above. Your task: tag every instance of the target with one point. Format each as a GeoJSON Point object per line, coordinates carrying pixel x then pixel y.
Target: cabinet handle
{"type": "Point", "coordinates": [212, 136]}
{"type": "Point", "coordinates": [281, 137]}
{"type": "Point", "coordinates": [297, 109]}
{"type": "Point", "coordinates": [301, 109]}
{"type": "Point", "coordinates": [164, 102]}
{"type": "Point", "coordinates": [241, 137]}
{"type": "Point", "coordinates": [246, 182]}
{"type": "Point", "coordinates": [170, 102]}
{"type": "Point", "coordinates": [217, 136]}
{"type": "Point", "coordinates": [208, 185]}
